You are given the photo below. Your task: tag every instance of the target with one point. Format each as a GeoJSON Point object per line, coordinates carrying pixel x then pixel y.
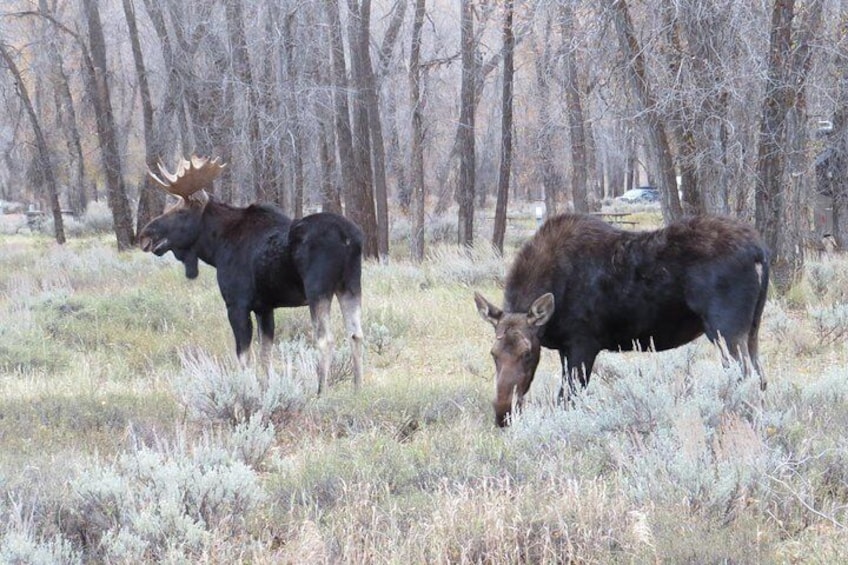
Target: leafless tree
{"type": "Point", "coordinates": [505, 169]}
{"type": "Point", "coordinates": [783, 111]}
{"type": "Point", "coordinates": [41, 143]}
{"type": "Point", "coordinates": [467, 165]}
{"type": "Point", "coordinates": [417, 150]}
{"type": "Point", "coordinates": [662, 161]}
{"type": "Point", "coordinates": [151, 199]}
{"type": "Point", "coordinates": [576, 123]}
{"type": "Point", "coordinates": [97, 69]}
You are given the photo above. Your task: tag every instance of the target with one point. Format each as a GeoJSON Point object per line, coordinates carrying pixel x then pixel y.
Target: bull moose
{"type": "Point", "coordinates": [581, 286]}
{"type": "Point", "coordinates": [264, 260]}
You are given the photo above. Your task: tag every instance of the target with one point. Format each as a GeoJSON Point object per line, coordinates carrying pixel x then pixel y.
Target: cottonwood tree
{"type": "Point", "coordinates": [151, 199]}
{"type": "Point", "coordinates": [782, 120]}
{"type": "Point", "coordinates": [41, 144]}
{"type": "Point", "coordinates": [576, 122]}
{"type": "Point", "coordinates": [505, 168]}
{"type": "Point", "coordinates": [545, 127]}
{"type": "Point", "coordinates": [653, 128]}
{"type": "Point", "coordinates": [466, 132]}
{"type": "Point", "coordinates": [836, 176]}
{"type": "Point", "coordinates": [368, 148]}
{"type": "Point", "coordinates": [107, 132]}
{"type": "Point", "coordinates": [416, 168]}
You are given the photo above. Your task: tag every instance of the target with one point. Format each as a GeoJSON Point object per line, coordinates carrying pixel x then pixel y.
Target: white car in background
{"type": "Point", "coordinates": [641, 195]}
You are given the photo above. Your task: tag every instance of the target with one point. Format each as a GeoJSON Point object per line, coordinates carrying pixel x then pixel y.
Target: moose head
{"type": "Point", "coordinates": [178, 228]}
{"type": "Point", "coordinates": [516, 350]}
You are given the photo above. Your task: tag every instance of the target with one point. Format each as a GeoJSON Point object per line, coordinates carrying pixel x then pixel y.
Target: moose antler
{"type": "Point", "coordinates": [191, 176]}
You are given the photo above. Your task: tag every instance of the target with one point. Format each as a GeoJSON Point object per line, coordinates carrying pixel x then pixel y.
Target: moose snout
{"type": "Point", "coordinates": [146, 243]}
{"type": "Point", "coordinates": [502, 414]}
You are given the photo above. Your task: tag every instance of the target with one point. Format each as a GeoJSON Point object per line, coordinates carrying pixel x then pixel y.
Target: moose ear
{"type": "Point", "coordinates": [487, 310]}
{"type": "Point", "coordinates": [541, 310]}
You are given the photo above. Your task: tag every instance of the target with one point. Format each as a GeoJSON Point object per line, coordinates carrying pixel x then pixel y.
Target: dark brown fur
{"type": "Point", "coordinates": [613, 289]}
{"type": "Point", "coordinates": [265, 260]}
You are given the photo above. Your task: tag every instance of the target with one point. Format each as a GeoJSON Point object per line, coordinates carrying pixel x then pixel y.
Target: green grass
{"type": "Point", "coordinates": [129, 434]}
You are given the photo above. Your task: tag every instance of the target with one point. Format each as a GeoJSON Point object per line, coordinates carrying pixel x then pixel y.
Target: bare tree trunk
{"type": "Point", "coordinates": [106, 131]}
{"type": "Point", "coordinates": [576, 124]}
{"type": "Point", "coordinates": [417, 151]}
{"type": "Point", "coordinates": [67, 115]}
{"type": "Point", "coordinates": [151, 199]}
{"type": "Point", "coordinates": [467, 177]}
{"type": "Point", "coordinates": [662, 161]}
{"type": "Point", "coordinates": [368, 92]}
{"type": "Point", "coordinates": [172, 103]}
{"type": "Point", "coordinates": [275, 87]}
{"type": "Point", "coordinates": [41, 144]}
{"type": "Point", "coordinates": [446, 188]}
{"type": "Point", "coordinates": [788, 65]}
{"type": "Point", "coordinates": [838, 181]}
{"type": "Point", "coordinates": [356, 187]}
{"type": "Point", "coordinates": [295, 129]}
{"type": "Point", "coordinates": [243, 72]}
{"type": "Point", "coordinates": [546, 161]}
{"type": "Point", "coordinates": [506, 130]}
{"type": "Point", "coordinates": [363, 172]}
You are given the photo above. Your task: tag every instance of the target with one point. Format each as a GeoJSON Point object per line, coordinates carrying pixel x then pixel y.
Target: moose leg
{"type": "Point", "coordinates": [754, 353]}
{"type": "Point", "coordinates": [320, 312]}
{"type": "Point", "coordinates": [576, 364]}
{"type": "Point", "coordinates": [351, 306]}
{"type": "Point", "coordinates": [266, 337]}
{"type": "Point", "coordinates": [242, 330]}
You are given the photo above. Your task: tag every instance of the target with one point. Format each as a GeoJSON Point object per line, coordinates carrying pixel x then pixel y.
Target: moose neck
{"type": "Point", "coordinates": [217, 220]}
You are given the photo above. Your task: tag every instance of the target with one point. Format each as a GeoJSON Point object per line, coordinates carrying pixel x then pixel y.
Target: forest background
{"type": "Point", "coordinates": [397, 108]}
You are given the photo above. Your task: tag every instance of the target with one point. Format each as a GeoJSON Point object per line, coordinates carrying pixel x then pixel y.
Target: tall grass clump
{"type": "Point", "coordinates": [468, 266]}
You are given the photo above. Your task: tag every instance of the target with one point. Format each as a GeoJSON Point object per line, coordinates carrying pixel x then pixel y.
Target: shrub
{"type": "Point", "coordinates": [222, 392]}
{"type": "Point", "coordinates": [21, 542]}
{"type": "Point", "coordinates": [830, 323]}
{"type": "Point", "coordinates": [158, 504]}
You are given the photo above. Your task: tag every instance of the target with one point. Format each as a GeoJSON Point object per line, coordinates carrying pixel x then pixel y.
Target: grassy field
{"type": "Point", "coordinates": [128, 433]}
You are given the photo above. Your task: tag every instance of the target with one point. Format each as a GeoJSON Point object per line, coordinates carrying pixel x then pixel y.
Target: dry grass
{"type": "Point", "coordinates": [127, 432]}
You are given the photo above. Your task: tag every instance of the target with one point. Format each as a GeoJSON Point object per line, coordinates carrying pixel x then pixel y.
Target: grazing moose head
{"type": "Point", "coordinates": [516, 349]}
{"type": "Point", "coordinates": [264, 260]}
{"type": "Point", "coordinates": [581, 286]}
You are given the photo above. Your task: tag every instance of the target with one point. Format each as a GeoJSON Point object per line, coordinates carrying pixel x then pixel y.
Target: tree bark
{"type": "Point", "coordinates": [66, 110]}
{"type": "Point", "coordinates": [505, 168]}
{"type": "Point", "coordinates": [576, 124]}
{"type": "Point", "coordinates": [106, 130]}
{"type": "Point", "coordinates": [838, 182]}
{"type": "Point", "coordinates": [243, 72]}
{"type": "Point", "coordinates": [151, 199]}
{"type": "Point", "coordinates": [662, 161]}
{"type": "Point", "coordinates": [290, 101]}
{"type": "Point", "coordinates": [356, 189]}
{"type": "Point", "coordinates": [467, 164]}
{"type": "Point", "coordinates": [41, 144]}
{"type": "Point", "coordinates": [375, 128]}
{"type": "Point", "coordinates": [363, 172]}
{"type": "Point", "coordinates": [417, 150]}
{"type": "Point", "coordinates": [550, 177]}
{"type": "Point", "coordinates": [782, 117]}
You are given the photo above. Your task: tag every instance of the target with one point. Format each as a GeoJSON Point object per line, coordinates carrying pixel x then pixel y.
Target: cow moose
{"type": "Point", "coordinates": [581, 286]}
{"type": "Point", "coordinates": [264, 260]}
